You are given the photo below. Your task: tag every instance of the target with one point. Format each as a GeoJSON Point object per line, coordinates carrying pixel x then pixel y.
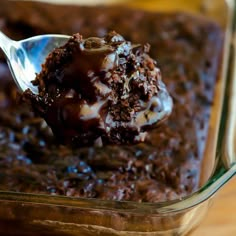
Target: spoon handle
{"type": "Point", "coordinates": [5, 44]}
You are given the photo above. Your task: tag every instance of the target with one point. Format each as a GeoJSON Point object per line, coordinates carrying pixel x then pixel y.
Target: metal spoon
{"type": "Point", "coordinates": [25, 57]}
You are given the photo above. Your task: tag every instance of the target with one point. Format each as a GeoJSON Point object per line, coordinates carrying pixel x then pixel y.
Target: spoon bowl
{"type": "Point", "coordinates": [25, 57]}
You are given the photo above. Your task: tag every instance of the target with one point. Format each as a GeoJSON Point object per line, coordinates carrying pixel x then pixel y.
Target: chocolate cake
{"type": "Point", "coordinates": [166, 166]}
{"type": "Point", "coordinates": [100, 91]}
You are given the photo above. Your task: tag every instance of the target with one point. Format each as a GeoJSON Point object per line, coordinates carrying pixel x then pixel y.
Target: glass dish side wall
{"type": "Point", "coordinates": [66, 216]}
{"type": "Point", "coordinates": [41, 219]}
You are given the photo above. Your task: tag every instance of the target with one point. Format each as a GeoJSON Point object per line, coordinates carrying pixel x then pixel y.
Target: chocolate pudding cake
{"type": "Point", "coordinates": [166, 166]}
{"type": "Point", "coordinates": [100, 91]}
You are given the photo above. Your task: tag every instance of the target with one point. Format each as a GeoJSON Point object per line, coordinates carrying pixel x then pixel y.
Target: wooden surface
{"type": "Point", "coordinates": [221, 218]}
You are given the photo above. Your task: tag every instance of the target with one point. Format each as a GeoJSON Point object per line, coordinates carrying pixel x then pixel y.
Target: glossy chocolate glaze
{"type": "Point", "coordinates": [100, 91]}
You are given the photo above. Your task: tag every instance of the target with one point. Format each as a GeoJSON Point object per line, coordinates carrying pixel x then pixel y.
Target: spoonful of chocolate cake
{"type": "Point", "coordinates": [93, 91]}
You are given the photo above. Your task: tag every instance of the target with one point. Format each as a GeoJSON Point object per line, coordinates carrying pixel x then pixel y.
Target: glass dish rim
{"type": "Point", "coordinates": [220, 176]}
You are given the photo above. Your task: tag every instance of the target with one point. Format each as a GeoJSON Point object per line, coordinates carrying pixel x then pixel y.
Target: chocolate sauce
{"type": "Point", "coordinates": [100, 91]}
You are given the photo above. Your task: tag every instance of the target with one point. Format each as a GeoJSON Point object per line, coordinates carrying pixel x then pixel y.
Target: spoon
{"type": "Point", "coordinates": [25, 57]}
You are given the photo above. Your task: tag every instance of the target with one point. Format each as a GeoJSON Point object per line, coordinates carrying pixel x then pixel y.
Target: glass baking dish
{"type": "Point", "coordinates": [31, 214]}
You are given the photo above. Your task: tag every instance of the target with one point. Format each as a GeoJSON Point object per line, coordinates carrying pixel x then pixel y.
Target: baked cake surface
{"type": "Point", "coordinates": [188, 51]}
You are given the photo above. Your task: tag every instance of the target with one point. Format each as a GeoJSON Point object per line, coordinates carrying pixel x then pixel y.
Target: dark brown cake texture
{"type": "Point", "coordinates": [166, 166]}
{"type": "Point", "coordinates": [99, 91]}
